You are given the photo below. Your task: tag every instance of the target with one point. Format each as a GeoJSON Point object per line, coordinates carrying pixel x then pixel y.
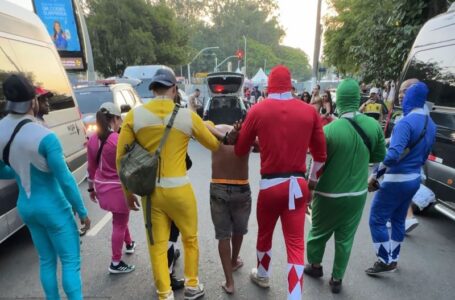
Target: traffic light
{"type": "Point", "coordinates": [239, 53]}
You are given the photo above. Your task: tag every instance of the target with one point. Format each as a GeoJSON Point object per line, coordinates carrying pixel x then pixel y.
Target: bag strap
{"type": "Point", "coordinates": [6, 150]}
{"type": "Point", "coordinates": [100, 149]}
{"type": "Point", "coordinates": [168, 128]}
{"type": "Point", "coordinates": [421, 136]}
{"type": "Point", "coordinates": [362, 133]}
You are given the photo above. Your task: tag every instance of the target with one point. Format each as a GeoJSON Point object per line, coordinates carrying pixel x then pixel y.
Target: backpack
{"type": "Point", "coordinates": [139, 170]}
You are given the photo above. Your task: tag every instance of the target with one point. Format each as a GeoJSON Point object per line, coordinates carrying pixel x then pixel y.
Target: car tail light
{"type": "Point", "coordinates": [434, 158]}
{"type": "Point", "coordinates": [218, 88]}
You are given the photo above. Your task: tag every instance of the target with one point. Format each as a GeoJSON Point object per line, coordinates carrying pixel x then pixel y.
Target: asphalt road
{"type": "Point", "coordinates": [425, 270]}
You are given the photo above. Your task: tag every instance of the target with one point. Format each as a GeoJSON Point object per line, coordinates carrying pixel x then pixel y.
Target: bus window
{"type": "Point", "coordinates": [436, 67]}
{"type": "Point", "coordinates": [44, 70]}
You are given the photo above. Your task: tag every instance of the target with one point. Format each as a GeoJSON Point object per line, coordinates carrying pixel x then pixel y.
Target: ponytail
{"type": "Point", "coordinates": [103, 123]}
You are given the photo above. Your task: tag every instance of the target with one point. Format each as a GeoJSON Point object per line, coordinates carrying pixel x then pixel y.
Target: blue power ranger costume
{"type": "Point", "coordinates": [410, 145]}
{"type": "Point", "coordinates": [47, 195]}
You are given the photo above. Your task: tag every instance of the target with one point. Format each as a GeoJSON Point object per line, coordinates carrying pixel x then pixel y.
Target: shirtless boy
{"type": "Point", "coordinates": [230, 204]}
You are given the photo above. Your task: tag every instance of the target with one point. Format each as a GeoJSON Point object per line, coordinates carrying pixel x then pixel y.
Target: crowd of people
{"type": "Point", "coordinates": [283, 128]}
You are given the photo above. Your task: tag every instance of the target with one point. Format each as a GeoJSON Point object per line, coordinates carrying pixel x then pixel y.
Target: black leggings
{"type": "Point", "coordinates": [171, 250]}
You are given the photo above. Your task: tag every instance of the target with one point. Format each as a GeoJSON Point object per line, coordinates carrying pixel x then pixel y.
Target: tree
{"type": "Point", "coordinates": [130, 32]}
{"type": "Point", "coordinates": [372, 39]}
{"type": "Point", "coordinates": [256, 20]}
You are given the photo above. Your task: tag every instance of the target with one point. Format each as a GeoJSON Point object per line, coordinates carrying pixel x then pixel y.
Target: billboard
{"type": "Point", "coordinates": [60, 20]}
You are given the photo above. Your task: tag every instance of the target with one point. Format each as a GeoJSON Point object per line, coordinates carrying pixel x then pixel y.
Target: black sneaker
{"type": "Point", "coordinates": [121, 268]}
{"type": "Point", "coordinates": [130, 248]}
{"type": "Point", "coordinates": [335, 285]}
{"type": "Point", "coordinates": [177, 284]}
{"type": "Point", "coordinates": [380, 267]}
{"type": "Point", "coordinates": [313, 271]}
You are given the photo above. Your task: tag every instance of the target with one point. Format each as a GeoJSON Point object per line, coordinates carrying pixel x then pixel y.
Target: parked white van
{"type": "Point", "coordinates": [27, 48]}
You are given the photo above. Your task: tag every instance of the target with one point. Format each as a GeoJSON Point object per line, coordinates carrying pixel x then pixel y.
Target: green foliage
{"type": "Point", "coordinates": [256, 20]}
{"type": "Point", "coordinates": [371, 38]}
{"type": "Point", "coordinates": [129, 32]}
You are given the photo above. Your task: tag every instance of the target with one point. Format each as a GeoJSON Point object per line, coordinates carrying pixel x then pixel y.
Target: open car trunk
{"type": "Point", "coordinates": [225, 83]}
{"type": "Point", "coordinates": [225, 110]}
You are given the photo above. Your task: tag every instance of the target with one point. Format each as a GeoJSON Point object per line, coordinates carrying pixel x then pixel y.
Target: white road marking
{"type": "Point", "coordinates": [97, 228]}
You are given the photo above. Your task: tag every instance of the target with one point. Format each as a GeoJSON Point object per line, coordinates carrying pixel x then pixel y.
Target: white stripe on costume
{"type": "Point", "coordinates": [339, 195]}
{"type": "Point", "coordinates": [280, 96]}
{"type": "Point", "coordinates": [172, 182]}
{"type": "Point", "coordinates": [400, 177]}
{"type": "Point", "coordinates": [295, 192]}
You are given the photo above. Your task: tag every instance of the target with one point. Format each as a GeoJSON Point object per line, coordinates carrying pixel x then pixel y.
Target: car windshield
{"type": "Point", "coordinates": [90, 101]}
{"type": "Point", "coordinates": [143, 89]}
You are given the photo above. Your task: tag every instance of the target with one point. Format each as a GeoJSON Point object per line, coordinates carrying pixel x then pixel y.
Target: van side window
{"type": "Point", "coordinates": [7, 67]}
{"type": "Point", "coordinates": [45, 70]}
{"type": "Point", "coordinates": [436, 67]}
{"type": "Point", "coordinates": [129, 98]}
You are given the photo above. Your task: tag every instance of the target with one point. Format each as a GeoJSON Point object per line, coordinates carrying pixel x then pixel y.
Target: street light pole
{"type": "Point", "coordinates": [216, 63]}
{"type": "Point", "coordinates": [196, 56]}
{"type": "Point", "coordinates": [229, 57]}
{"type": "Point", "coordinates": [244, 54]}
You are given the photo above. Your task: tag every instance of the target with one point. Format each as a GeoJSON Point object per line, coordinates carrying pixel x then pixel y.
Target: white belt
{"type": "Point", "coordinates": [295, 192]}
{"type": "Point", "coordinates": [172, 182]}
{"type": "Point", "coordinates": [400, 177]}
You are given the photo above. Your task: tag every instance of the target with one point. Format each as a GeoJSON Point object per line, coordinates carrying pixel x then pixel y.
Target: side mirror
{"type": "Point", "coordinates": [125, 108]}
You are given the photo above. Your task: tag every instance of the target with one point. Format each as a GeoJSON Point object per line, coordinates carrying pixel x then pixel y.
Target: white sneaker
{"type": "Point", "coordinates": [263, 282]}
{"type": "Point", "coordinates": [411, 224]}
{"type": "Point", "coordinates": [170, 296]}
{"type": "Point", "coordinates": [194, 293]}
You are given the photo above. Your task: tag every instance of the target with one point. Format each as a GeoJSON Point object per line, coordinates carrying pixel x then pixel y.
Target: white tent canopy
{"type": "Point", "coordinates": [260, 77]}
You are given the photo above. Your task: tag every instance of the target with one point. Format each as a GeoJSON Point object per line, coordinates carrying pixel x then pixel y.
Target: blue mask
{"type": "Point", "coordinates": [415, 97]}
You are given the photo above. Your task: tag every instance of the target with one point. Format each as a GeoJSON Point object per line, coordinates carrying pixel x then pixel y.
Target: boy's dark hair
{"type": "Point", "coordinates": [159, 88]}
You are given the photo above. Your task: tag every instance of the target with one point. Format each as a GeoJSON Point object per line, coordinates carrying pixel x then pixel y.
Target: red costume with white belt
{"type": "Point", "coordinates": [286, 128]}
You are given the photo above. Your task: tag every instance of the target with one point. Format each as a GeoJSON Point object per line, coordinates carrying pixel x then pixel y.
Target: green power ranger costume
{"type": "Point", "coordinates": [341, 191]}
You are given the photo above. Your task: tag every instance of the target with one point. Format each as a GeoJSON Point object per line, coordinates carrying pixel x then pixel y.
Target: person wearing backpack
{"type": "Point", "coordinates": [340, 196]}
{"type": "Point", "coordinates": [172, 198]}
{"type": "Point", "coordinates": [400, 173]}
{"type": "Point", "coordinates": [104, 183]}
{"type": "Point", "coordinates": [33, 156]}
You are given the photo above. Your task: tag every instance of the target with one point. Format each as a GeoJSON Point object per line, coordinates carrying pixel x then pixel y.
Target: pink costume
{"type": "Point", "coordinates": [286, 128]}
{"type": "Point", "coordinates": [108, 189]}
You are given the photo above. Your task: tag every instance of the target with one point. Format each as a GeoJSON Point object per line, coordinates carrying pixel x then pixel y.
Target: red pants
{"type": "Point", "coordinates": [273, 203]}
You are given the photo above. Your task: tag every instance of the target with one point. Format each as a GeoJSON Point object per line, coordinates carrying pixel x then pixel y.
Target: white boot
{"type": "Point", "coordinates": [411, 224]}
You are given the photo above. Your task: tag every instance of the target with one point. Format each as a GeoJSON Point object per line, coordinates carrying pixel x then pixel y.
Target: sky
{"type": "Point", "coordinates": [298, 18]}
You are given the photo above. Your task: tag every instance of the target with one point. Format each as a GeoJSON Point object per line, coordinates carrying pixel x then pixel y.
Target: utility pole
{"type": "Point", "coordinates": [317, 46]}
{"type": "Point", "coordinates": [244, 54]}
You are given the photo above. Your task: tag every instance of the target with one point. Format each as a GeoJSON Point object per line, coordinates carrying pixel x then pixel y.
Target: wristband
{"type": "Point", "coordinates": [225, 139]}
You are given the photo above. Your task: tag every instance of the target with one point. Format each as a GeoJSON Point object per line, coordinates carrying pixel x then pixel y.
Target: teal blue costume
{"type": "Point", "coordinates": [48, 194]}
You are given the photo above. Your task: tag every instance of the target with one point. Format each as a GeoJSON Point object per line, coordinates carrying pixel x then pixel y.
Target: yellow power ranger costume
{"type": "Point", "coordinates": [173, 198]}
